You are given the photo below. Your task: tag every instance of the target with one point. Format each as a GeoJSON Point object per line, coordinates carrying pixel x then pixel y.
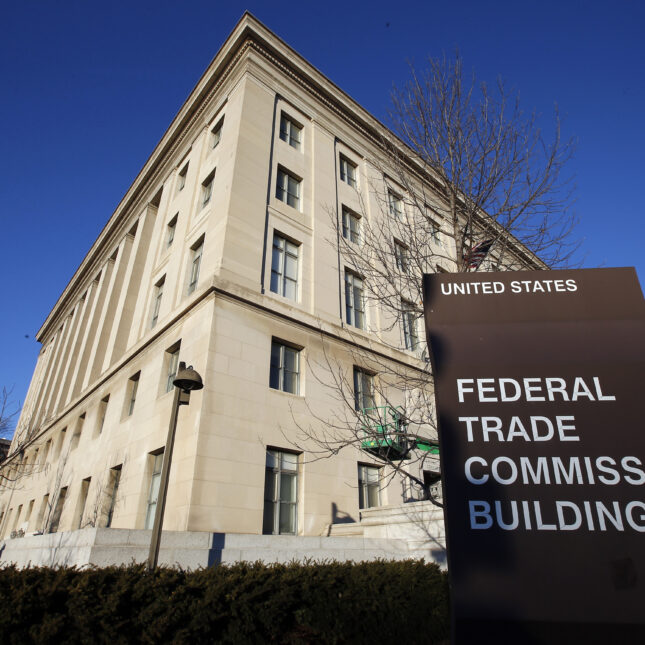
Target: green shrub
{"type": "Point", "coordinates": [334, 602]}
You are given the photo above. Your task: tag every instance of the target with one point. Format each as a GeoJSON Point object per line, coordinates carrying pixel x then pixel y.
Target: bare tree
{"type": "Point", "coordinates": [16, 463]}
{"type": "Point", "coordinates": [8, 411]}
{"type": "Point", "coordinates": [470, 183]}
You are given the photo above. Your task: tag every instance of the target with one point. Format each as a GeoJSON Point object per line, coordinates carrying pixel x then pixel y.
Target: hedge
{"type": "Point", "coordinates": [334, 602]}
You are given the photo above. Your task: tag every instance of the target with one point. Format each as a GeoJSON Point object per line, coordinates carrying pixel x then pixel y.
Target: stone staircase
{"type": "Point", "coordinates": [418, 524]}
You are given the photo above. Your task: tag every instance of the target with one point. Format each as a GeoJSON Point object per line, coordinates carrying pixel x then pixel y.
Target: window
{"type": "Point", "coordinates": [409, 319]}
{"type": "Point", "coordinates": [368, 486]}
{"type": "Point", "coordinates": [61, 441]}
{"type": "Point", "coordinates": [401, 256]}
{"type": "Point", "coordinates": [181, 179]}
{"type": "Point", "coordinates": [395, 204]}
{"type": "Point", "coordinates": [288, 189]}
{"type": "Point", "coordinates": [354, 305]}
{"type": "Point", "coordinates": [280, 493]}
{"type": "Point", "coordinates": [207, 188]}
{"type": "Point", "coordinates": [216, 133]}
{"type": "Point", "coordinates": [172, 357]}
{"type": "Point", "coordinates": [46, 450]}
{"type": "Point", "coordinates": [30, 508]}
{"type": "Point", "coordinates": [157, 295]}
{"type": "Point", "coordinates": [284, 267]}
{"type": "Point", "coordinates": [58, 511]}
{"type": "Point", "coordinates": [17, 518]}
{"type": "Point", "coordinates": [42, 513]}
{"type": "Point", "coordinates": [284, 373]}
{"type": "Point", "coordinates": [82, 501]}
{"type": "Point", "coordinates": [363, 389]}
{"type": "Point", "coordinates": [347, 171]}
{"type": "Point", "coordinates": [171, 229]}
{"type": "Point", "coordinates": [290, 131]}
{"type": "Point", "coordinates": [102, 412]}
{"type": "Point", "coordinates": [435, 231]}
{"type": "Point", "coordinates": [153, 495]}
{"type": "Point", "coordinates": [115, 480]}
{"type": "Point", "coordinates": [133, 386]}
{"type": "Point", "coordinates": [78, 430]}
{"type": "Point", "coordinates": [195, 262]}
{"type": "Point", "coordinates": [351, 226]}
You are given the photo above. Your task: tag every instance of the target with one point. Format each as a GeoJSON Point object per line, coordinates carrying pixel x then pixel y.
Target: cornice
{"type": "Point", "coordinates": [248, 35]}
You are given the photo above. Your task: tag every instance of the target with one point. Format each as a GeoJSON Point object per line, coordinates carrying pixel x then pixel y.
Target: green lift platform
{"type": "Point", "coordinates": [386, 435]}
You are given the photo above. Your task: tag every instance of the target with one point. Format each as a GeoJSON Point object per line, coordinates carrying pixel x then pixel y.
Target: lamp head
{"type": "Point", "coordinates": [187, 378]}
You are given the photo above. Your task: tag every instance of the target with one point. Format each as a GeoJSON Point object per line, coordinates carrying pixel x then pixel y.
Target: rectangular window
{"type": "Point", "coordinates": [103, 406]}
{"type": "Point", "coordinates": [409, 320]}
{"type": "Point", "coordinates": [363, 389]}
{"type": "Point", "coordinates": [172, 358]}
{"type": "Point", "coordinates": [284, 373]}
{"type": "Point", "coordinates": [46, 450]}
{"type": "Point", "coordinates": [354, 302]}
{"type": "Point", "coordinates": [207, 188]}
{"type": "Point", "coordinates": [153, 495]}
{"type": "Point", "coordinates": [17, 518]}
{"type": "Point", "coordinates": [435, 231]}
{"type": "Point", "coordinates": [181, 179]}
{"type": "Point", "coordinates": [61, 441]}
{"type": "Point", "coordinates": [171, 229]}
{"type": "Point", "coordinates": [368, 486]}
{"type": "Point", "coordinates": [351, 226]}
{"type": "Point", "coordinates": [195, 262]}
{"type": "Point", "coordinates": [82, 501]}
{"type": "Point", "coordinates": [395, 203]}
{"type": "Point", "coordinates": [288, 189]}
{"type": "Point", "coordinates": [43, 512]}
{"type": "Point", "coordinates": [347, 171]}
{"type": "Point", "coordinates": [280, 493]}
{"type": "Point", "coordinates": [30, 508]}
{"type": "Point", "coordinates": [58, 511]}
{"type": "Point", "coordinates": [115, 480]}
{"type": "Point", "coordinates": [133, 386]}
{"type": "Point", "coordinates": [78, 431]}
{"type": "Point", "coordinates": [284, 267]}
{"type": "Point", "coordinates": [290, 131]}
{"type": "Point", "coordinates": [157, 295]}
{"type": "Point", "coordinates": [401, 256]}
{"type": "Point", "coordinates": [216, 133]}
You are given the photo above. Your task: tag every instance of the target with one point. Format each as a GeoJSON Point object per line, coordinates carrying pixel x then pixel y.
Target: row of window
{"type": "Point", "coordinates": [284, 375]}
{"type": "Point", "coordinates": [288, 186]}
{"type": "Point", "coordinates": [207, 184]}
{"type": "Point", "coordinates": [195, 261]}
{"type": "Point", "coordinates": [284, 282]}
{"type": "Point", "coordinates": [280, 515]}
{"type": "Point", "coordinates": [40, 455]}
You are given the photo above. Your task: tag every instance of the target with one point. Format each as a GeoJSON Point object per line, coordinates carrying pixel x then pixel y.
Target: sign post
{"type": "Point", "coordinates": [540, 394]}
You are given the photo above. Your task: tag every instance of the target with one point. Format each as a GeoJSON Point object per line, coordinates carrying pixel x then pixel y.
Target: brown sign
{"type": "Point", "coordinates": [539, 384]}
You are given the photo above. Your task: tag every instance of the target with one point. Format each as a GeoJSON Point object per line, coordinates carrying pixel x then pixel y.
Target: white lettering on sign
{"type": "Point", "coordinates": [494, 287]}
{"type": "Point", "coordinates": [538, 470]}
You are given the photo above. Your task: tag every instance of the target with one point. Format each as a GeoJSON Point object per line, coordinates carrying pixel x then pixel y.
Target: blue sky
{"type": "Point", "coordinates": [89, 88]}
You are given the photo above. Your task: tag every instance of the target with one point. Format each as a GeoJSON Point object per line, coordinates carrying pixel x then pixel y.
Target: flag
{"type": "Point", "coordinates": [475, 256]}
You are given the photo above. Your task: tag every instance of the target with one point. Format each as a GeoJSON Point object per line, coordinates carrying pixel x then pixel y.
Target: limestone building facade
{"type": "Point", "coordinates": [221, 254]}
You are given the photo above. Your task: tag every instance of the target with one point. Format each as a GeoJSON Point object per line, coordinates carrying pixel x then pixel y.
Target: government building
{"type": "Point", "coordinates": [224, 254]}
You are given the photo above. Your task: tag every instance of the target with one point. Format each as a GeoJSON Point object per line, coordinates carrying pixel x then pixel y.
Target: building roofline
{"type": "Point", "coordinates": [248, 32]}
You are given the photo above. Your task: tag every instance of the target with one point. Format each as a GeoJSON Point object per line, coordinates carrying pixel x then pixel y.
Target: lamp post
{"type": "Point", "coordinates": [186, 380]}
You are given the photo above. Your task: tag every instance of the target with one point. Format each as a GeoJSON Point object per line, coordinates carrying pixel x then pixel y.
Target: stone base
{"type": "Point", "coordinates": [191, 550]}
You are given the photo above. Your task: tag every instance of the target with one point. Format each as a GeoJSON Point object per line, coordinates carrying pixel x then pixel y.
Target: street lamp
{"type": "Point", "coordinates": [185, 381]}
